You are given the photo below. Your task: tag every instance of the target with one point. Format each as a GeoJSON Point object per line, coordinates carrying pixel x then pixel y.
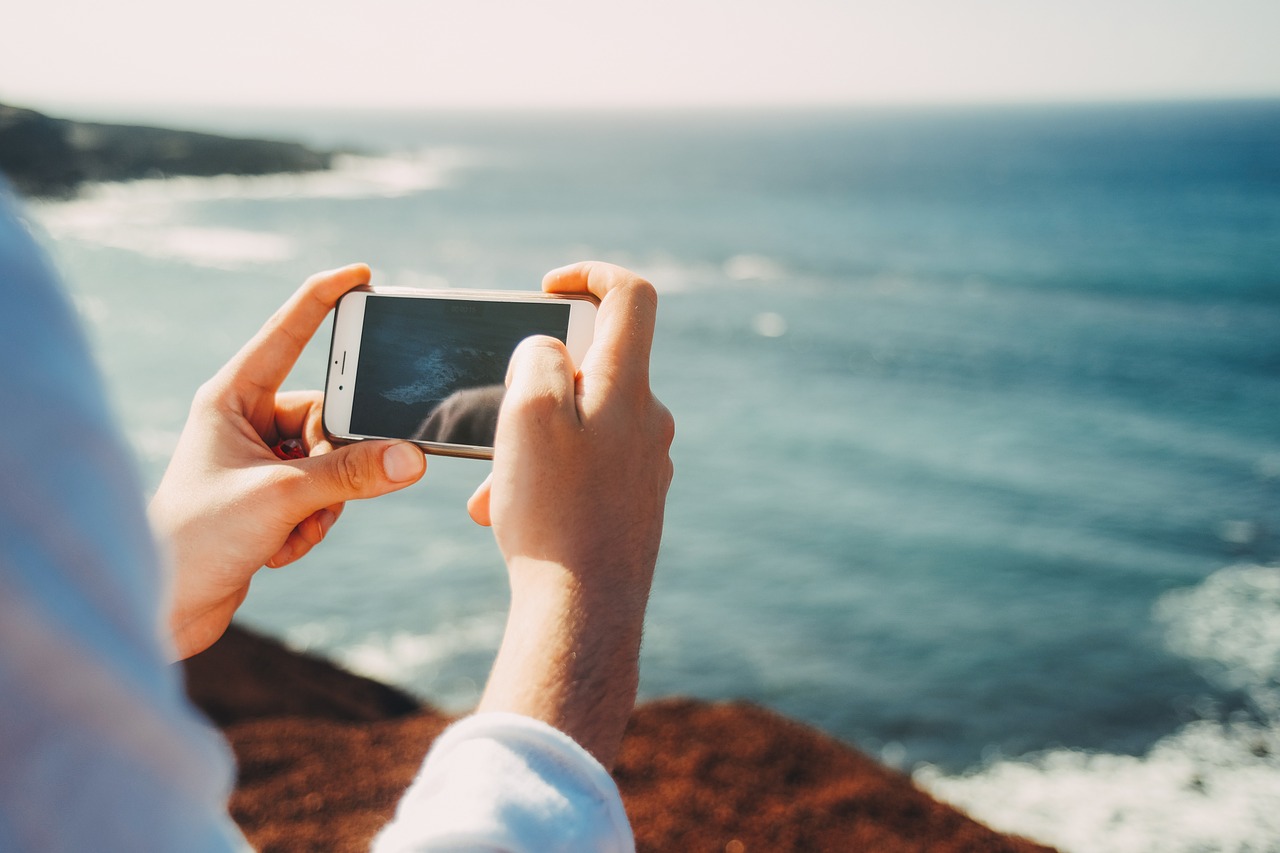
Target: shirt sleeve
{"type": "Point", "coordinates": [504, 782]}
{"type": "Point", "coordinates": [99, 747]}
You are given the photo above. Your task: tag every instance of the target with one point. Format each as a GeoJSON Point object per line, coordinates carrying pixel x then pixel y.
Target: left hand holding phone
{"type": "Point", "coordinates": [228, 504]}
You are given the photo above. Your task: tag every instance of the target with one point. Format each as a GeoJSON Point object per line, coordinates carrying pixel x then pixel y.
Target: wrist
{"type": "Point", "coordinates": [569, 656]}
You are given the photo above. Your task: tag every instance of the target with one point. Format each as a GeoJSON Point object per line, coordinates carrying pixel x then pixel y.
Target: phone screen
{"type": "Point", "coordinates": [435, 369]}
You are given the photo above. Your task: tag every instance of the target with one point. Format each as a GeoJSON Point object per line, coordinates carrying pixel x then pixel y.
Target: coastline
{"type": "Point", "coordinates": [49, 157]}
{"type": "Point", "coordinates": [324, 755]}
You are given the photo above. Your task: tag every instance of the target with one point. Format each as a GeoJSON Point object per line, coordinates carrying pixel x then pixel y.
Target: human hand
{"type": "Point", "coordinates": [581, 469]}
{"type": "Point", "coordinates": [227, 505]}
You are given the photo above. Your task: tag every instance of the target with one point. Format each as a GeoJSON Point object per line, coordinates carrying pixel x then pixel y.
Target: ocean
{"type": "Point", "coordinates": [978, 420]}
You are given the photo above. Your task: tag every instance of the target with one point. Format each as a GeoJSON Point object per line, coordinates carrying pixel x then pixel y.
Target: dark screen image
{"type": "Point", "coordinates": [434, 369]}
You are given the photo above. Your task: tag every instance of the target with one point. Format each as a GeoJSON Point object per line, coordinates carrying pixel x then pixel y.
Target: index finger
{"type": "Point", "coordinates": [267, 358]}
{"type": "Point", "coordinates": [624, 324]}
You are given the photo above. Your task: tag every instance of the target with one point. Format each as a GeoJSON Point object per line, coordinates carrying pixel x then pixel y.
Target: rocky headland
{"type": "Point", "coordinates": [45, 156]}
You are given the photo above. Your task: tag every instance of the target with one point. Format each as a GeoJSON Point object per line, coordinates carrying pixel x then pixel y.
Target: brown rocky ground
{"type": "Point", "coordinates": [324, 756]}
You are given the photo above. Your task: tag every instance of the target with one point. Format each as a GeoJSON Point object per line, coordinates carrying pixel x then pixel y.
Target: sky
{"type": "Point", "coordinates": [485, 54]}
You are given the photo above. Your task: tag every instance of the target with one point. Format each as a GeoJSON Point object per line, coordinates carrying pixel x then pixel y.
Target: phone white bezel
{"type": "Point", "coordinates": [348, 327]}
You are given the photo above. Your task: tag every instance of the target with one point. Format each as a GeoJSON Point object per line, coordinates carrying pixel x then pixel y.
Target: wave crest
{"type": "Point", "coordinates": [1211, 786]}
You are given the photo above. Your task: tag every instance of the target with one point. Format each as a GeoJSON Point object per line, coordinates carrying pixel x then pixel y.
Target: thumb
{"type": "Point", "coordinates": [362, 470]}
{"type": "Point", "coordinates": [478, 503]}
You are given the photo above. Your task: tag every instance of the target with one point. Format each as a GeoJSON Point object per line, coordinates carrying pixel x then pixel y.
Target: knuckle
{"type": "Point", "coordinates": [205, 394]}
{"type": "Point", "coordinates": [541, 345]}
{"type": "Point", "coordinates": [531, 354]}
{"type": "Point", "coordinates": [664, 424]}
{"type": "Point", "coordinates": [540, 402]}
{"type": "Point", "coordinates": [211, 394]}
{"type": "Point", "coordinates": [314, 281]}
{"type": "Point", "coordinates": [280, 324]}
{"type": "Point", "coordinates": [312, 533]}
{"type": "Point", "coordinates": [352, 473]}
{"type": "Point", "coordinates": [640, 291]}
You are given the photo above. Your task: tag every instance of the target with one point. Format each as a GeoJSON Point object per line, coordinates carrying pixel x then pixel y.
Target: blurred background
{"type": "Point", "coordinates": [970, 324]}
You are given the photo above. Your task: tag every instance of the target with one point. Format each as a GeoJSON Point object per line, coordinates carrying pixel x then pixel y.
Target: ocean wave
{"type": "Point", "coordinates": [753, 268]}
{"type": "Point", "coordinates": [1231, 625]}
{"type": "Point", "coordinates": [407, 658]}
{"type": "Point", "coordinates": [351, 176]}
{"type": "Point", "coordinates": [147, 216]}
{"type": "Point", "coordinates": [152, 227]}
{"type": "Point", "coordinates": [1211, 786]}
{"type": "Point", "coordinates": [436, 374]}
{"type": "Point", "coordinates": [670, 274]}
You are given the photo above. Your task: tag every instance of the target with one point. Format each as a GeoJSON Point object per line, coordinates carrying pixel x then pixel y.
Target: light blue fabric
{"type": "Point", "coordinates": [99, 749]}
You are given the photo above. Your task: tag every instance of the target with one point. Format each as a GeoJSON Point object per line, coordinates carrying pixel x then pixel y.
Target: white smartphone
{"type": "Point", "coordinates": [430, 366]}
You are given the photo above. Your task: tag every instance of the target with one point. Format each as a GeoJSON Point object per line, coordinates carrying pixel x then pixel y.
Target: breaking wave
{"type": "Point", "coordinates": [146, 216]}
{"type": "Point", "coordinates": [1211, 787]}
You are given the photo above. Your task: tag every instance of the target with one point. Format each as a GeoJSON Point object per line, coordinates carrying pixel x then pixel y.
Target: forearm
{"type": "Point", "coordinates": [581, 468]}
{"type": "Point", "coordinates": [569, 657]}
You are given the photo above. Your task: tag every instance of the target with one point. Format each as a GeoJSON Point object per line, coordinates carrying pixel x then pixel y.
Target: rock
{"type": "Point", "coordinates": [45, 156]}
{"type": "Point", "coordinates": [324, 756]}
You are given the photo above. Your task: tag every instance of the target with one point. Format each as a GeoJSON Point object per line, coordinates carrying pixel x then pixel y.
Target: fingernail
{"type": "Point", "coordinates": [402, 462]}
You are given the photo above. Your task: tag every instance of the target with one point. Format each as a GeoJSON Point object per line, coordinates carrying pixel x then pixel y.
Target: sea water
{"type": "Point", "coordinates": [978, 420]}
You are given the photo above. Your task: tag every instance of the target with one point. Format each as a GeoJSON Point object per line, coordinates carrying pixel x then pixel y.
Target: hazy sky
{"type": "Point", "coordinates": [577, 53]}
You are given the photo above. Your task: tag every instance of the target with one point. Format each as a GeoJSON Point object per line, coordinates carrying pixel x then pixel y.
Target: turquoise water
{"type": "Point", "coordinates": [964, 398]}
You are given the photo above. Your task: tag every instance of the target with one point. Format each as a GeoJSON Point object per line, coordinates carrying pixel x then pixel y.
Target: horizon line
{"type": "Point", "coordinates": [59, 108]}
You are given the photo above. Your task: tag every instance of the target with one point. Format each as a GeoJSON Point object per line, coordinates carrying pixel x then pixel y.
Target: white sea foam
{"type": "Point", "coordinates": [1212, 786]}
{"type": "Point", "coordinates": [351, 176]}
{"type": "Point", "coordinates": [147, 216]}
{"type": "Point", "coordinates": [152, 444]}
{"type": "Point", "coordinates": [753, 268]}
{"type": "Point", "coordinates": [413, 659]}
{"type": "Point", "coordinates": [672, 274]}
{"type": "Point", "coordinates": [664, 271]}
{"type": "Point", "coordinates": [1231, 623]}
{"type": "Point", "coordinates": [150, 224]}
{"type": "Point", "coordinates": [436, 374]}
{"type": "Point", "coordinates": [769, 324]}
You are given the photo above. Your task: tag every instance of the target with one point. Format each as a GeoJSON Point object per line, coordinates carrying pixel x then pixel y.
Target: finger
{"type": "Point", "coordinates": [266, 360]}
{"type": "Point", "coordinates": [294, 411]}
{"type": "Point", "coordinates": [478, 503]}
{"type": "Point", "coordinates": [300, 414]}
{"type": "Point", "coordinates": [362, 470]}
{"type": "Point", "coordinates": [314, 435]}
{"type": "Point", "coordinates": [540, 373]}
{"type": "Point", "coordinates": [594, 277]}
{"type": "Point", "coordinates": [624, 324]}
{"type": "Point", "coordinates": [303, 538]}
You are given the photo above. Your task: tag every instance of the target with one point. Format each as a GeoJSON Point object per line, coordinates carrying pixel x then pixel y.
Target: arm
{"type": "Point", "coordinates": [576, 498]}
{"type": "Point", "coordinates": [580, 474]}
{"type": "Point", "coordinates": [227, 505]}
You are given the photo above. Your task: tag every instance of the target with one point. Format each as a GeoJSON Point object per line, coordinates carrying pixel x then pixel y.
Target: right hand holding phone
{"type": "Point", "coordinates": [582, 464]}
{"type": "Point", "coordinates": [580, 475]}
